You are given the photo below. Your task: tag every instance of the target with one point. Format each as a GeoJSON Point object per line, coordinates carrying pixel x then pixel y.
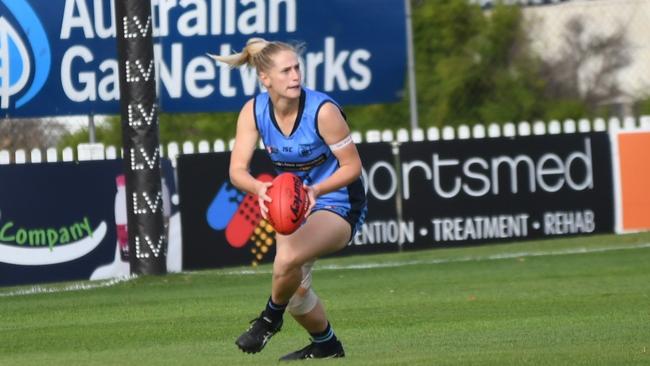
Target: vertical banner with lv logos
{"type": "Point", "coordinates": [147, 240]}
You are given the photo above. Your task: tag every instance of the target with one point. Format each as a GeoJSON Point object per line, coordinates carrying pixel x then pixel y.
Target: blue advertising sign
{"type": "Point", "coordinates": [59, 57]}
{"type": "Point", "coordinates": [67, 221]}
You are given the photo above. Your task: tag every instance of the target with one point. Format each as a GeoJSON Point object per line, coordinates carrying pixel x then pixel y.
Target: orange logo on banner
{"type": "Point", "coordinates": [634, 151]}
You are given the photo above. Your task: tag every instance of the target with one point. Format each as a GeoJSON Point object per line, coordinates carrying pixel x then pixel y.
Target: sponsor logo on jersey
{"type": "Point", "coordinates": [305, 150]}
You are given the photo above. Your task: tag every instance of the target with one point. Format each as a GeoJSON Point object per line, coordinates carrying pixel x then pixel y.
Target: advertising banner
{"type": "Point", "coordinates": [221, 224]}
{"type": "Point", "coordinates": [381, 230]}
{"type": "Point", "coordinates": [486, 190]}
{"type": "Point", "coordinates": [59, 57]}
{"type": "Point", "coordinates": [438, 194]}
{"type": "Point", "coordinates": [67, 221]}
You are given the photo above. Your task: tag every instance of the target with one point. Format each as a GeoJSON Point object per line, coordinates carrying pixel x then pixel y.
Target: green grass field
{"type": "Point", "coordinates": [580, 301]}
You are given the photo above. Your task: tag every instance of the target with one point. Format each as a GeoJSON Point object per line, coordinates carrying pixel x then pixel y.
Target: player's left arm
{"type": "Point", "coordinates": [336, 133]}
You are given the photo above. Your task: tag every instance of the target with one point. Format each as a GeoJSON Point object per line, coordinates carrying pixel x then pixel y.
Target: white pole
{"type": "Point", "coordinates": [91, 128]}
{"type": "Point", "coordinates": [413, 101]}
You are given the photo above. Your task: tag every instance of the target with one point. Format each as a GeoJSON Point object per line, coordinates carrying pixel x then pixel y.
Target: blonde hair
{"type": "Point", "coordinates": [257, 53]}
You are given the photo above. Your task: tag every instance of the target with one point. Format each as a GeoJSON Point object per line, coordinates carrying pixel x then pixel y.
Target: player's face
{"type": "Point", "coordinates": [284, 77]}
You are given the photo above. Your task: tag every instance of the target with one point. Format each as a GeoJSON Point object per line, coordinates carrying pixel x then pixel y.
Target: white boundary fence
{"type": "Point", "coordinates": [86, 152]}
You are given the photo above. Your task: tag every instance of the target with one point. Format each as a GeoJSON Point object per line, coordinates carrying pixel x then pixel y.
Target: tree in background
{"type": "Point", "coordinates": [29, 133]}
{"type": "Point", "coordinates": [581, 80]}
{"type": "Point", "coordinates": [473, 66]}
{"type": "Point", "coordinates": [477, 66]}
{"type": "Point", "coordinates": [642, 107]}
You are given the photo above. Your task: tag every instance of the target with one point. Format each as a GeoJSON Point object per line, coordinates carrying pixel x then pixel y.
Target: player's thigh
{"type": "Point", "coordinates": [324, 232]}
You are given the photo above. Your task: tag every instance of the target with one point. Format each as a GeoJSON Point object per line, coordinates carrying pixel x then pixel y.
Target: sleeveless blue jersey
{"type": "Point", "coordinates": [306, 154]}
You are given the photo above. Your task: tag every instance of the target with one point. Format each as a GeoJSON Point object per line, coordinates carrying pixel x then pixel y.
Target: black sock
{"type": "Point", "coordinates": [274, 311]}
{"type": "Point", "coordinates": [325, 338]}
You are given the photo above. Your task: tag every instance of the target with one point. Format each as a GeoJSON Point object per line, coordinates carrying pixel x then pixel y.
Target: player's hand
{"type": "Point", "coordinates": [312, 194]}
{"type": "Point", "coordinates": [263, 198]}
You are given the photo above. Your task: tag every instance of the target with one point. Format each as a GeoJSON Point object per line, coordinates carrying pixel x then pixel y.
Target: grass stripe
{"type": "Point", "coordinates": [91, 285]}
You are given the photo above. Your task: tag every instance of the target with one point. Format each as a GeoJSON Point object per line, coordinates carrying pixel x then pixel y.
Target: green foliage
{"type": "Point", "coordinates": [197, 126]}
{"type": "Point", "coordinates": [642, 107]}
{"type": "Point", "coordinates": [474, 66]}
{"type": "Point", "coordinates": [107, 132]}
{"type": "Point", "coordinates": [378, 116]}
{"type": "Point", "coordinates": [566, 108]}
{"type": "Point", "coordinates": [172, 127]}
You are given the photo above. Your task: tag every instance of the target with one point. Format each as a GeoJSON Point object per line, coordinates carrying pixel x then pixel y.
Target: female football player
{"type": "Point", "coordinates": [304, 132]}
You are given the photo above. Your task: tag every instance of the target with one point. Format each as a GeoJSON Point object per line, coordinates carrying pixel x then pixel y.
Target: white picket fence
{"type": "Point", "coordinates": [86, 152]}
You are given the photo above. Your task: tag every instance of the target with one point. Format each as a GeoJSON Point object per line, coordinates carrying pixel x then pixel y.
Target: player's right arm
{"type": "Point", "coordinates": [245, 143]}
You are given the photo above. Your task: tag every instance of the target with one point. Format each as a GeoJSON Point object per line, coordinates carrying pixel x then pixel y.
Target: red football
{"type": "Point", "coordinates": [289, 203]}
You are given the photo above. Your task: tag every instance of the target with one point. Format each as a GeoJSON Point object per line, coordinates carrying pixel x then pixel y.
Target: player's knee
{"type": "Point", "coordinates": [285, 265]}
{"type": "Point", "coordinates": [302, 304]}
{"type": "Point", "coordinates": [287, 262]}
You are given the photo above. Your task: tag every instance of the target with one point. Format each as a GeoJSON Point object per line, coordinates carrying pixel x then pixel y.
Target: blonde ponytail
{"type": "Point", "coordinates": [257, 53]}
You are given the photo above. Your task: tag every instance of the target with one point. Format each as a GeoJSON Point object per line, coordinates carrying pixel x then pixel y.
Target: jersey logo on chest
{"type": "Point", "coordinates": [305, 150]}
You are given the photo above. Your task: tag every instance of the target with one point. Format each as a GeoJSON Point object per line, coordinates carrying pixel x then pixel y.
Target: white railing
{"type": "Point", "coordinates": [478, 131]}
{"type": "Point", "coordinates": [463, 132]}
{"type": "Point", "coordinates": [523, 128]}
{"type": "Point", "coordinates": [402, 135]}
{"type": "Point", "coordinates": [448, 133]}
{"type": "Point", "coordinates": [509, 130]}
{"type": "Point", "coordinates": [417, 134]}
{"type": "Point", "coordinates": [494, 130]}
{"type": "Point", "coordinates": [433, 134]}
{"type": "Point", "coordinates": [86, 152]}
